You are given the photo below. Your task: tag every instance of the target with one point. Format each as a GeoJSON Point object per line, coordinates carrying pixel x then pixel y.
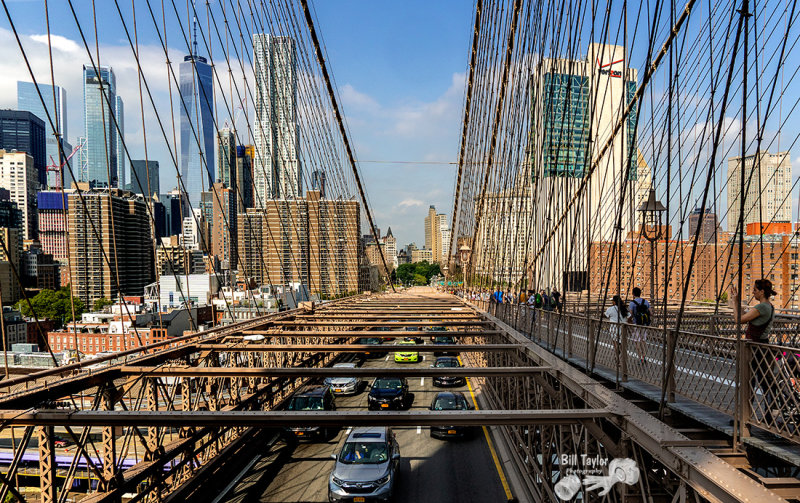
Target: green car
{"type": "Point", "coordinates": [406, 356]}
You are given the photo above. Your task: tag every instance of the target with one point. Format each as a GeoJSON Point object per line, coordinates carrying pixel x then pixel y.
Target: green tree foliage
{"type": "Point", "coordinates": [407, 273]}
{"type": "Point", "coordinates": [419, 279]}
{"type": "Point", "coordinates": [101, 303]}
{"type": "Point", "coordinates": [52, 304]}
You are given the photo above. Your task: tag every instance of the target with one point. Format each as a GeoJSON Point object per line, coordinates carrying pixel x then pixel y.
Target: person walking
{"type": "Point", "coordinates": [538, 300]}
{"type": "Point", "coordinates": [640, 315]}
{"type": "Point", "coordinates": [523, 297]}
{"type": "Point", "coordinates": [556, 301]}
{"type": "Point", "coordinates": [616, 313]}
{"type": "Point", "coordinates": [759, 320]}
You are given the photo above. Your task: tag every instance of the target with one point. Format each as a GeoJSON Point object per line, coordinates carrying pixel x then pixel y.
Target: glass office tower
{"type": "Point", "coordinates": [99, 91]}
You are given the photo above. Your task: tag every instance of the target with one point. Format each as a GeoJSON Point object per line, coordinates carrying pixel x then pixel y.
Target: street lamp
{"type": "Point", "coordinates": [651, 218]}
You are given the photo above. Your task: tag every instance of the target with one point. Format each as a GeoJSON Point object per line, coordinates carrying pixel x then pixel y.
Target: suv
{"type": "Point", "coordinates": [371, 341]}
{"type": "Point", "coordinates": [450, 400]}
{"type": "Point", "coordinates": [442, 340]}
{"type": "Point", "coordinates": [311, 398]}
{"type": "Point", "coordinates": [448, 362]}
{"type": "Point", "coordinates": [366, 467]}
{"type": "Point", "coordinates": [344, 385]}
{"type": "Point", "coordinates": [389, 393]}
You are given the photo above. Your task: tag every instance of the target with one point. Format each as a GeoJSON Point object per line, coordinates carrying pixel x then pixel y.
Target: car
{"type": "Point", "coordinates": [442, 340]}
{"type": "Point", "coordinates": [450, 400]}
{"type": "Point", "coordinates": [371, 341]}
{"type": "Point", "coordinates": [366, 466]}
{"type": "Point", "coordinates": [61, 442]}
{"type": "Point", "coordinates": [405, 355]}
{"type": "Point", "coordinates": [448, 362]}
{"type": "Point", "coordinates": [435, 329]}
{"type": "Point", "coordinates": [416, 339]}
{"type": "Point", "coordinates": [389, 393]}
{"type": "Point", "coordinates": [345, 385]}
{"type": "Point", "coordinates": [385, 338]}
{"type": "Point", "coordinates": [312, 397]}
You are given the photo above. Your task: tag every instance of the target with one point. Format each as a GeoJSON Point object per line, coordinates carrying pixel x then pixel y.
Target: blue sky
{"type": "Point", "coordinates": [400, 70]}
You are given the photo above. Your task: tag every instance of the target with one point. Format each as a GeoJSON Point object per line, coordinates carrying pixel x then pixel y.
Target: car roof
{"type": "Point", "coordinates": [368, 434]}
{"type": "Point", "coordinates": [312, 391]}
{"type": "Point", "coordinates": [345, 365]}
{"type": "Point", "coordinates": [447, 394]}
{"type": "Point", "coordinates": [445, 358]}
{"type": "Point", "coordinates": [407, 342]}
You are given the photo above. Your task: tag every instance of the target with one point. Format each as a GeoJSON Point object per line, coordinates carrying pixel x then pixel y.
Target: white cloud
{"type": "Point", "coordinates": [58, 43]}
{"type": "Point", "coordinates": [407, 203]}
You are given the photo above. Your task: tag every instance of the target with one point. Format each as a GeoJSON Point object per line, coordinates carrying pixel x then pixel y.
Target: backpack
{"type": "Point", "coordinates": [641, 315]}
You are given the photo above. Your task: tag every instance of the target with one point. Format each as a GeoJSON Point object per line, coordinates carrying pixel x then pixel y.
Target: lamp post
{"type": "Point", "coordinates": [651, 219]}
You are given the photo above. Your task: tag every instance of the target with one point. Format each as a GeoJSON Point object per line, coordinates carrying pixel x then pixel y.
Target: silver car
{"type": "Point", "coordinates": [366, 467]}
{"type": "Point", "coordinates": [344, 385]}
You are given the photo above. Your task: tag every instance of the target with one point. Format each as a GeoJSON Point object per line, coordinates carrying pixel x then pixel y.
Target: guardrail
{"type": "Point", "coordinates": [705, 367]}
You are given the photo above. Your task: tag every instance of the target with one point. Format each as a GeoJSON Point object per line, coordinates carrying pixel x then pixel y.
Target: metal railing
{"type": "Point", "coordinates": [704, 367]}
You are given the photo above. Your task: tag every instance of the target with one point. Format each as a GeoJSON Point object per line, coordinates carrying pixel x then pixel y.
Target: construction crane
{"type": "Point", "coordinates": [55, 168]}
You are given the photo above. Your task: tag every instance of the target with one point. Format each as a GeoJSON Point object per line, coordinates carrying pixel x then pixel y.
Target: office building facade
{"type": "Point", "coordinates": [276, 166]}
{"type": "Point", "coordinates": [25, 132]}
{"type": "Point", "coordinates": [197, 126]}
{"type": "Point", "coordinates": [55, 103]}
{"type": "Point", "coordinates": [99, 109]}
{"type": "Point", "coordinates": [145, 178]}
{"type": "Point", "coordinates": [18, 174]}
{"type": "Point", "coordinates": [768, 181]}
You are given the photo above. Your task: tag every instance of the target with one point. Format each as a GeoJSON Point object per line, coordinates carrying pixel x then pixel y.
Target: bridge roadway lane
{"type": "Point", "coordinates": [431, 470]}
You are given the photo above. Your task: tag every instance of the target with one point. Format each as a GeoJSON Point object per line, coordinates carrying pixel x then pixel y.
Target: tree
{"type": "Point", "coordinates": [405, 273]}
{"type": "Point", "coordinates": [419, 279]}
{"type": "Point", "coordinates": [101, 303]}
{"type": "Point", "coordinates": [52, 304]}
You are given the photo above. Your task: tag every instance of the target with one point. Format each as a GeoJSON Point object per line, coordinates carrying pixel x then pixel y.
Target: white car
{"type": "Point", "coordinates": [345, 385]}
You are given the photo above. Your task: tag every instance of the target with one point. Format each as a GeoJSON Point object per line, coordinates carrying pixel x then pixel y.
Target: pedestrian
{"type": "Point", "coordinates": [759, 320]}
{"type": "Point", "coordinates": [640, 315]}
{"type": "Point", "coordinates": [617, 313]}
{"type": "Point", "coordinates": [557, 301]}
{"type": "Point", "coordinates": [538, 300]}
{"type": "Point", "coordinates": [547, 301]}
{"type": "Point", "coordinates": [523, 298]}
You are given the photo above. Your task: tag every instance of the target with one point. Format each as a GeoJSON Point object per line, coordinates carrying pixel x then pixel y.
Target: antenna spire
{"type": "Point", "coordinates": [194, 38]}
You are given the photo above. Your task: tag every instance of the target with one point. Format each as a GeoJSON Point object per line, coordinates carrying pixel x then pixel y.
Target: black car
{"type": "Point", "coordinates": [371, 341]}
{"type": "Point", "coordinates": [389, 393]}
{"type": "Point", "coordinates": [444, 340]}
{"type": "Point", "coordinates": [450, 400]}
{"type": "Point", "coordinates": [444, 362]}
{"type": "Point", "coordinates": [435, 329]}
{"type": "Point", "coordinates": [385, 338]}
{"type": "Point", "coordinates": [417, 339]}
{"type": "Point", "coordinates": [311, 398]}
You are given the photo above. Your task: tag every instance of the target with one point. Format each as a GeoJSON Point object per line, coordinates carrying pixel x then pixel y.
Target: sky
{"type": "Point", "coordinates": [399, 68]}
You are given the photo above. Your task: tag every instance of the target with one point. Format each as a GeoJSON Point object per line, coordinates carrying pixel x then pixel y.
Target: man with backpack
{"type": "Point", "coordinates": [640, 315]}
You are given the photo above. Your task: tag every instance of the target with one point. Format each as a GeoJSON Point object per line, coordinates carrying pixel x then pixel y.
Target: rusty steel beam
{"type": "Point", "coordinates": [369, 333]}
{"type": "Point", "coordinates": [274, 419]}
{"type": "Point", "coordinates": [358, 348]}
{"type": "Point", "coordinates": [473, 323]}
{"type": "Point", "coordinates": [184, 371]}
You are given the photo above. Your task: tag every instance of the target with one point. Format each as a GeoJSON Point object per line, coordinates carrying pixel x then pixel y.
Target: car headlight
{"type": "Point", "coordinates": [337, 481]}
{"type": "Point", "coordinates": [383, 480]}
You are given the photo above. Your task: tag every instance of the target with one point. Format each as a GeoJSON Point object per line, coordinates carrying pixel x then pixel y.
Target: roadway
{"type": "Point", "coordinates": [431, 470]}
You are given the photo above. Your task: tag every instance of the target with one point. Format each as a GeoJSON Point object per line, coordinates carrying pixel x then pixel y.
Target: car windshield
{"type": "Point", "coordinates": [369, 340]}
{"type": "Point", "coordinates": [306, 403]}
{"type": "Point", "coordinates": [444, 340]}
{"type": "Point", "coordinates": [362, 453]}
{"type": "Point", "coordinates": [450, 403]}
{"type": "Point", "coordinates": [447, 363]}
{"type": "Point", "coordinates": [388, 384]}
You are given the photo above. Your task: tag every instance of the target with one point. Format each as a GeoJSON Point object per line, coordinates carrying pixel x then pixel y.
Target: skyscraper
{"type": "Point", "coordinates": [24, 132]}
{"type": "Point", "coordinates": [244, 177]}
{"type": "Point", "coordinates": [55, 102]}
{"type": "Point", "coordinates": [122, 174]}
{"type": "Point", "coordinates": [144, 177]}
{"type": "Point", "coordinates": [437, 230]}
{"type": "Point", "coordinates": [226, 157]}
{"type": "Point", "coordinates": [276, 167]}
{"type": "Point", "coordinates": [576, 105]}
{"type": "Point", "coordinates": [18, 174]}
{"type": "Point", "coordinates": [197, 125]}
{"type": "Point", "coordinates": [99, 105]}
{"type": "Point", "coordinates": [768, 181]}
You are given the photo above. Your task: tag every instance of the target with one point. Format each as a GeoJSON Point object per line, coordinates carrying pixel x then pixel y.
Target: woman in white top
{"type": "Point", "coordinates": [617, 313]}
